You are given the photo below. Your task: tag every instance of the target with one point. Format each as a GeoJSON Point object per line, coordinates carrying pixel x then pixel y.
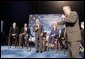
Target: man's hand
{"type": "Point", "coordinates": [63, 16]}
{"type": "Point", "coordinates": [23, 33]}
{"type": "Point", "coordinates": [82, 48]}
{"type": "Point", "coordinates": [13, 34]}
{"type": "Point", "coordinates": [41, 34]}
{"type": "Point", "coordinates": [62, 37]}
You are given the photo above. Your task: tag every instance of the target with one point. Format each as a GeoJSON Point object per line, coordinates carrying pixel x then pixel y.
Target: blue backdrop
{"type": "Point", "coordinates": [46, 20]}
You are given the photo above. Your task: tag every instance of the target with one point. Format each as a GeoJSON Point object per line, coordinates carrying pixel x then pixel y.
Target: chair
{"type": "Point", "coordinates": [44, 40]}
{"type": "Point", "coordinates": [12, 40]}
{"type": "Point", "coordinates": [24, 42]}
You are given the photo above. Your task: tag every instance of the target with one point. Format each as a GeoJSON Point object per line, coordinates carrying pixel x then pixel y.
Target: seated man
{"type": "Point", "coordinates": [24, 36]}
{"type": "Point", "coordinates": [82, 41]}
{"type": "Point", "coordinates": [13, 34]}
{"type": "Point", "coordinates": [62, 38]}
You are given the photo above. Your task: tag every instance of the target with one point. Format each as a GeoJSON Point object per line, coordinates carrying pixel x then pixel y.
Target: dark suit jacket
{"type": "Point", "coordinates": [62, 33]}
{"type": "Point", "coordinates": [12, 31]}
{"type": "Point", "coordinates": [72, 27]}
{"type": "Point", "coordinates": [39, 31]}
{"type": "Point", "coordinates": [82, 35]}
{"type": "Point", "coordinates": [28, 31]}
{"type": "Point", "coordinates": [53, 35]}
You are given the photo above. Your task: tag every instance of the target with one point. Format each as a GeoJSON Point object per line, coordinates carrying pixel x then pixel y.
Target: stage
{"type": "Point", "coordinates": [27, 53]}
{"type": "Point", "coordinates": [24, 53]}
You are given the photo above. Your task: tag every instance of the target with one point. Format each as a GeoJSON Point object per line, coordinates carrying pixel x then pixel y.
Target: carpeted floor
{"type": "Point", "coordinates": [26, 53]}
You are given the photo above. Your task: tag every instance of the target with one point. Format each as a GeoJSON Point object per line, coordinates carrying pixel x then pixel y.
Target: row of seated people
{"type": "Point", "coordinates": [25, 33]}
{"type": "Point", "coordinates": [42, 43]}
{"type": "Point", "coordinates": [19, 39]}
{"type": "Point", "coordinates": [57, 38]}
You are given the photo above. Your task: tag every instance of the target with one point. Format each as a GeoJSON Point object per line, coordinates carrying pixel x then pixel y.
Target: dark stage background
{"type": "Point", "coordinates": [19, 12]}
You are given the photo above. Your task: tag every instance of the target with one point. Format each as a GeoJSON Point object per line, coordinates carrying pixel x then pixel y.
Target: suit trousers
{"type": "Point", "coordinates": [73, 49]}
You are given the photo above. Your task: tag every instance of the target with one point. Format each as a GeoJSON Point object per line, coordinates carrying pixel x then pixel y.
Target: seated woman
{"type": "Point", "coordinates": [54, 36]}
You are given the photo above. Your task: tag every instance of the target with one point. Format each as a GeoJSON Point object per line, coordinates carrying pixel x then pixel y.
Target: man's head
{"type": "Point", "coordinates": [14, 24]}
{"type": "Point", "coordinates": [82, 25]}
{"type": "Point", "coordinates": [25, 24]}
{"type": "Point", "coordinates": [37, 21]}
{"type": "Point", "coordinates": [67, 9]}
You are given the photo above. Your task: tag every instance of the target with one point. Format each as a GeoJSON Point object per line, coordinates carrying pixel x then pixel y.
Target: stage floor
{"type": "Point", "coordinates": [24, 53]}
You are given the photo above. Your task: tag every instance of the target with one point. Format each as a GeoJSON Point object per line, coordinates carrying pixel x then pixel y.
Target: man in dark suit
{"type": "Point", "coordinates": [24, 35]}
{"type": "Point", "coordinates": [13, 34]}
{"type": "Point", "coordinates": [82, 33]}
{"type": "Point", "coordinates": [71, 21]}
{"type": "Point", "coordinates": [62, 38]}
{"type": "Point", "coordinates": [82, 41]}
{"type": "Point", "coordinates": [38, 36]}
